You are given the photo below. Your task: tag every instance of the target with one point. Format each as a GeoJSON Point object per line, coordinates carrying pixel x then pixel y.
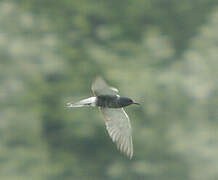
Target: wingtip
{"type": "Point", "coordinates": [130, 156]}
{"type": "Point", "coordinates": [127, 154]}
{"type": "Point", "coordinates": [97, 78]}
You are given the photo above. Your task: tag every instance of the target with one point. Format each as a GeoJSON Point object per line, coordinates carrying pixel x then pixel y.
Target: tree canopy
{"type": "Point", "coordinates": [161, 53]}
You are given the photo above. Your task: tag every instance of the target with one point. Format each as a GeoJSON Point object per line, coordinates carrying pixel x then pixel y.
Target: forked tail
{"type": "Point", "coordinates": [85, 102]}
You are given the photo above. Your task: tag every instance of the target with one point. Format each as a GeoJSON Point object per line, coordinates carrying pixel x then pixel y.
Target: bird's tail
{"type": "Point", "coordinates": [85, 102]}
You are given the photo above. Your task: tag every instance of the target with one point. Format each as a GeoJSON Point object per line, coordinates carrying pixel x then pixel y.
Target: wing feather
{"type": "Point", "coordinates": [119, 128]}
{"type": "Point", "coordinates": [100, 87]}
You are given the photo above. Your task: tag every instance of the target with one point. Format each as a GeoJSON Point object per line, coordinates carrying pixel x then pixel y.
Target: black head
{"type": "Point", "coordinates": [124, 101]}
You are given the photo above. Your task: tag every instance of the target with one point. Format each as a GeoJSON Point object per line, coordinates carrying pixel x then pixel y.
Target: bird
{"type": "Point", "coordinates": [111, 104]}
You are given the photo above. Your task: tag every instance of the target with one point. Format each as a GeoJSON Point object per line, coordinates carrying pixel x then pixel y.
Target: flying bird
{"type": "Point", "coordinates": [111, 105]}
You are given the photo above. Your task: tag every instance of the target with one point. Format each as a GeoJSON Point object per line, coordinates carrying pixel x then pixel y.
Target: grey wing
{"type": "Point", "coordinates": [119, 128]}
{"type": "Point", "coordinates": [100, 87]}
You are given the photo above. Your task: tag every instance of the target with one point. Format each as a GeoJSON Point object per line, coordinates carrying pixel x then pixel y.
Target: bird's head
{"type": "Point", "coordinates": [124, 101]}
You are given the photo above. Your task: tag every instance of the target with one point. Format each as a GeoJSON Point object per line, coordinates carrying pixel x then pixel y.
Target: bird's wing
{"type": "Point", "coordinates": [100, 87]}
{"type": "Point", "coordinates": [119, 128]}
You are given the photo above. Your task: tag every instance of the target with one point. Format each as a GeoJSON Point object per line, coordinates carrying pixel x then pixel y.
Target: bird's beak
{"type": "Point", "coordinates": [136, 103]}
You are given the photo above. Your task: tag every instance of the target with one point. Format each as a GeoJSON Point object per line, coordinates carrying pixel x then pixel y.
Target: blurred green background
{"type": "Point", "coordinates": [162, 53]}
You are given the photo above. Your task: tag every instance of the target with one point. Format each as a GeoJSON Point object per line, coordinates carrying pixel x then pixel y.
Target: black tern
{"type": "Point", "coordinates": [111, 105]}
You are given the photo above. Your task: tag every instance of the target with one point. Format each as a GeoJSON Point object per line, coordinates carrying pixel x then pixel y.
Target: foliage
{"type": "Point", "coordinates": [161, 53]}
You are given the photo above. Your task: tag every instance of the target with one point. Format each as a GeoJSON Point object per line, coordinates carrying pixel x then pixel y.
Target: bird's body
{"type": "Point", "coordinates": [111, 105]}
{"type": "Point", "coordinates": [112, 101]}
